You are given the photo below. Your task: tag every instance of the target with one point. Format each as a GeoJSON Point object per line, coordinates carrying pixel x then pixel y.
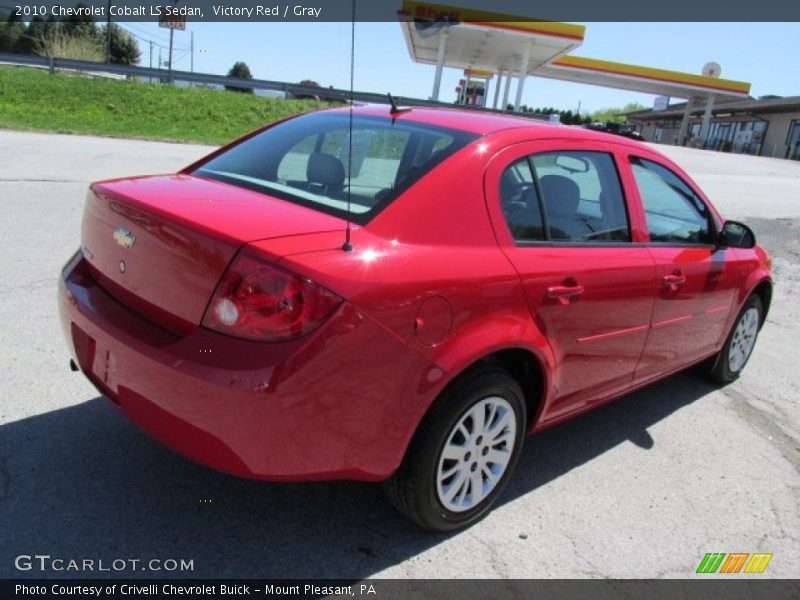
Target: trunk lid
{"type": "Point", "coordinates": [161, 244]}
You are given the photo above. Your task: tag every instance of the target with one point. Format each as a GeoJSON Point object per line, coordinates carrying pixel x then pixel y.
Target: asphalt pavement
{"type": "Point", "coordinates": [640, 488]}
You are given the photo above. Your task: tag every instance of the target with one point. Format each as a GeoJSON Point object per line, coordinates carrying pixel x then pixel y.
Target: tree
{"type": "Point", "coordinates": [308, 83]}
{"type": "Point", "coordinates": [76, 37]}
{"type": "Point", "coordinates": [124, 47]}
{"type": "Point", "coordinates": [79, 25]}
{"type": "Point", "coordinates": [36, 31]}
{"type": "Point", "coordinates": [616, 115]}
{"type": "Point", "coordinates": [73, 38]}
{"type": "Point", "coordinates": [241, 71]}
{"type": "Point", "coordinates": [10, 33]}
{"type": "Point", "coordinates": [58, 43]}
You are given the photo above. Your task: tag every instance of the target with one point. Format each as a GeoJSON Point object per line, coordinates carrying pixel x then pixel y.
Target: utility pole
{"type": "Point", "coordinates": [108, 33]}
{"type": "Point", "coordinates": [192, 51]}
{"type": "Point", "coordinates": [150, 79]}
{"type": "Point", "coordinates": [171, 36]}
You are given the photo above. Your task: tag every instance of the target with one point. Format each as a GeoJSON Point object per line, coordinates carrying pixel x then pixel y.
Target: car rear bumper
{"type": "Point", "coordinates": [339, 403]}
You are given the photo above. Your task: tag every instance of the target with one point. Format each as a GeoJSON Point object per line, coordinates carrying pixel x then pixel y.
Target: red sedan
{"type": "Point", "coordinates": [401, 295]}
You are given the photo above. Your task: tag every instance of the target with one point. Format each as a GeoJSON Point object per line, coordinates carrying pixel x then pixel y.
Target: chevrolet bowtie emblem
{"type": "Point", "coordinates": [124, 237]}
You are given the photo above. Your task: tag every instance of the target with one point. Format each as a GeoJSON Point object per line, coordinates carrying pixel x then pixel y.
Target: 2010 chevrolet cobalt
{"type": "Point", "coordinates": [401, 296]}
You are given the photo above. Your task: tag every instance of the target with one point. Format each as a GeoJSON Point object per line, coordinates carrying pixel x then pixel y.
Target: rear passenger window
{"type": "Point", "coordinates": [675, 214]}
{"type": "Point", "coordinates": [569, 196]}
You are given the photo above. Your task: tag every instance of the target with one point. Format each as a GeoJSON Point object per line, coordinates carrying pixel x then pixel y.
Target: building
{"type": "Point", "coordinates": [768, 126]}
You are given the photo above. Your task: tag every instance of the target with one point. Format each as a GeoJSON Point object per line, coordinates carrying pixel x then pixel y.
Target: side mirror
{"type": "Point", "coordinates": [736, 235]}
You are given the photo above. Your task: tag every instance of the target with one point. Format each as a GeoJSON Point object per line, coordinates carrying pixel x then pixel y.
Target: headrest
{"type": "Point", "coordinates": [325, 169]}
{"type": "Point", "coordinates": [561, 194]}
{"type": "Point", "coordinates": [507, 185]}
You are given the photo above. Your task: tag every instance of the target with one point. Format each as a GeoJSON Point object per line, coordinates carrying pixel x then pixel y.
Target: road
{"type": "Point", "coordinates": [643, 487]}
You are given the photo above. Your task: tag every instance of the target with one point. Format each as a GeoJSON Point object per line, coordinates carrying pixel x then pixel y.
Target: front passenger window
{"type": "Point", "coordinates": [674, 212]}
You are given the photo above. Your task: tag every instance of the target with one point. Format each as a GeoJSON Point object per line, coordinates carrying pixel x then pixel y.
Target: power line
{"type": "Point", "coordinates": [139, 31]}
{"type": "Point", "coordinates": [151, 35]}
{"type": "Point", "coordinates": [143, 38]}
{"type": "Point", "coordinates": [155, 43]}
{"type": "Point", "coordinates": [180, 57]}
{"type": "Point", "coordinates": [151, 44]}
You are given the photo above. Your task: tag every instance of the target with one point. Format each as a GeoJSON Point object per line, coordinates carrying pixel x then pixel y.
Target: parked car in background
{"type": "Point", "coordinates": [628, 131]}
{"type": "Point", "coordinates": [401, 296]}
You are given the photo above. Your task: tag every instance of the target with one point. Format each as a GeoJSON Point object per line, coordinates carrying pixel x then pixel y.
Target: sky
{"type": "Point", "coordinates": [763, 54]}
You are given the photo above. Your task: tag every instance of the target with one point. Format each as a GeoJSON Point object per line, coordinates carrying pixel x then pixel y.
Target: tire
{"type": "Point", "coordinates": [738, 348]}
{"type": "Point", "coordinates": [436, 485]}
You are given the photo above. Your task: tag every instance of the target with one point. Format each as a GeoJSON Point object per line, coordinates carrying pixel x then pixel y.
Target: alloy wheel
{"type": "Point", "coordinates": [476, 453]}
{"type": "Point", "coordinates": [744, 338]}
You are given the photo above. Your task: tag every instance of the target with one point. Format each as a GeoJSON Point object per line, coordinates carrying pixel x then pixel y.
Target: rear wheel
{"type": "Point", "coordinates": [463, 453]}
{"type": "Point", "coordinates": [734, 355]}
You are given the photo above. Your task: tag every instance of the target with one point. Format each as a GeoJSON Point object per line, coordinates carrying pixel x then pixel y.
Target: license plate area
{"type": "Point", "coordinates": [98, 364]}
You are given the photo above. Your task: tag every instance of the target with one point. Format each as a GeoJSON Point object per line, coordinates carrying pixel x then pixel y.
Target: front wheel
{"type": "Point", "coordinates": [734, 355]}
{"type": "Point", "coordinates": [463, 453]}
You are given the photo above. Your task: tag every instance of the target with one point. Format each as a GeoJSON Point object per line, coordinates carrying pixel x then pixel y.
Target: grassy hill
{"type": "Point", "coordinates": [31, 99]}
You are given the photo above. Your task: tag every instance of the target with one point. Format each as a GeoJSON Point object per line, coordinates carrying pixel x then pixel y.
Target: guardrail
{"type": "Point", "coordinates": [164, 76]}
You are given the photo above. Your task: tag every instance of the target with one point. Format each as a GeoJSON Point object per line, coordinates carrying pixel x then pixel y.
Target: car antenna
{"type": "Point", "coordinates": [348, 246]}
{"type": "Point", "coordinates": [396, 109]}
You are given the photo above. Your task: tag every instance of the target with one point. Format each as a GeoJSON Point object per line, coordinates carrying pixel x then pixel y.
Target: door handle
{"type": "Point", "coordinates": [564, 293]}
{"type": "Point", "coordinates": [674, 280]}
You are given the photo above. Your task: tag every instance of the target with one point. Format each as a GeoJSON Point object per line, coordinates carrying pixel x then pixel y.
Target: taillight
{"type": "Point", "coordinates": [257, 301]}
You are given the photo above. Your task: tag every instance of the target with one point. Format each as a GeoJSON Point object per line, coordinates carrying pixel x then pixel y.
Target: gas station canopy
{"type": "Point", "coordinates": [647, 80]}
{"type": "Point", "coordinates": [491, 46]}
{"type": "Point", "coordinates": [447, 36]}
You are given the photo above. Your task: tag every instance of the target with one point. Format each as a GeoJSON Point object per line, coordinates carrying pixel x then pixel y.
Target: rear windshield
{"type": "Point", "coordinates": [307, 160]}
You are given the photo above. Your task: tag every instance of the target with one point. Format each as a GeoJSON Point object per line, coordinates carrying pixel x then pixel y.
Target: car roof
{"type": "Point", "coordinates": [484, 123]}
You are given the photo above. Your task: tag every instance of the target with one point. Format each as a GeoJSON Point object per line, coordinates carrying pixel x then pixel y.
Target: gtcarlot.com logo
{"type": "Point", "coordinates": [735, 562]}
{"type": "Point", "coordinates": [45, 562]}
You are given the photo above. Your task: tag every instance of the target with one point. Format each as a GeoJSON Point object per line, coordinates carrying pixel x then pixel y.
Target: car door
{"type": "Point", "coordinates": [697, 280]}
{"type": "Point", "coordinates": [560, 217]}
